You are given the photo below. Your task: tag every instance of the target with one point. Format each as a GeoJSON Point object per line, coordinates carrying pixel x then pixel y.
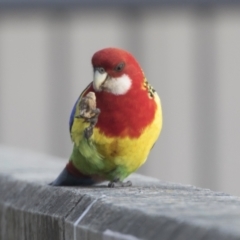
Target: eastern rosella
{"type": "Point", "coordinates": [115, 141]}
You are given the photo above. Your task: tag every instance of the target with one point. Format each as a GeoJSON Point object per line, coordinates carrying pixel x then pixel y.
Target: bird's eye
{"type": "Point", "coordinates": [119, 67]}
{"type": "Point", "coordinates": [101, 70]}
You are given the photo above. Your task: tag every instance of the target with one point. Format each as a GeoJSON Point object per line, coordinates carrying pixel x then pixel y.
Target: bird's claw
{"type": "Point", "coordinates": [88, 132]}
{"type": "Point", "coordinates": [89, 112]}
{"type": "Point", "coordinates": [119, 184]}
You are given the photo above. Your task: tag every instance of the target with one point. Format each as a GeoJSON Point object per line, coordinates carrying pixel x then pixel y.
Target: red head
{"type": "Point", "coordinates": [115, 71]}
{"type": "Point", "coordinates": [122, 93]}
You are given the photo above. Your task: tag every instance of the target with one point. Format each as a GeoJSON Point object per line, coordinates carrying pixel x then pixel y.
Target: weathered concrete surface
{"type": "Point", "coordinates": [151, 209]}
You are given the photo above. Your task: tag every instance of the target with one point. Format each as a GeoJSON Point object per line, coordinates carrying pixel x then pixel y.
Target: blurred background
{"type": "Point", "coordinates": [190, 53]}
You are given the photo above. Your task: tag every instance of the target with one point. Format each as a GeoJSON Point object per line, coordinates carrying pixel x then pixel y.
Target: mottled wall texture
{"type": "Point", "coordinates": [190, 54]}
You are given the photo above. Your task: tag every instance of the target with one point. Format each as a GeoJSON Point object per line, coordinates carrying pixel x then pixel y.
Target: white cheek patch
{"type": "Point", "coordinates": [118, 86]}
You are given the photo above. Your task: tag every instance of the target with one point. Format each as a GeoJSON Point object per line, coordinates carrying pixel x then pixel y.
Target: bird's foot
{"type": "Point", "coordinates": [118, 183]}
{"type": "Point", "coordinates": [94, 118]}
{"type": "Point", "coordinates": [88, 132]}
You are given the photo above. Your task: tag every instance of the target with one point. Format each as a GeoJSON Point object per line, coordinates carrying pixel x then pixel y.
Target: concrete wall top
{"type": "Point", "coordinates": [150, 209]}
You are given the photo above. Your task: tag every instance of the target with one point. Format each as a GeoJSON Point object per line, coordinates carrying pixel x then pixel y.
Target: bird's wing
{"type": "Point", "coordinates": [84, 149]}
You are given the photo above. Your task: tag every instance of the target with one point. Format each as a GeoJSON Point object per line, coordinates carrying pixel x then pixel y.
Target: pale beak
{"type": "Point", "coordinates": [98, 80]}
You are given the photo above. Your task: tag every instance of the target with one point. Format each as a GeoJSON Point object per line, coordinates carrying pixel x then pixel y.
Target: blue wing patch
{"type": "Point", "coordinates": [72, 115]}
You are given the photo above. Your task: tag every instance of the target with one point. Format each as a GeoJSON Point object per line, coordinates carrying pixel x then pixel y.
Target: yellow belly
{"type": "Point", "coordinates": [130, 152]}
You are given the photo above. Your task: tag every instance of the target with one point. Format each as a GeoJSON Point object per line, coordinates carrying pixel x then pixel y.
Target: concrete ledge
{"type": "Point", "coordinates": [151, 209]}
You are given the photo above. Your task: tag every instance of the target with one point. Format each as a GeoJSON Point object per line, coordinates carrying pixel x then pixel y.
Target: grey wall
{"type": "Point", "coordinates": [191, 55]}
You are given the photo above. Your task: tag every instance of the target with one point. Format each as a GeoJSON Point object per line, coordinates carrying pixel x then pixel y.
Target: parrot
{"type": "Point", "coordinates": [114, 123]}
